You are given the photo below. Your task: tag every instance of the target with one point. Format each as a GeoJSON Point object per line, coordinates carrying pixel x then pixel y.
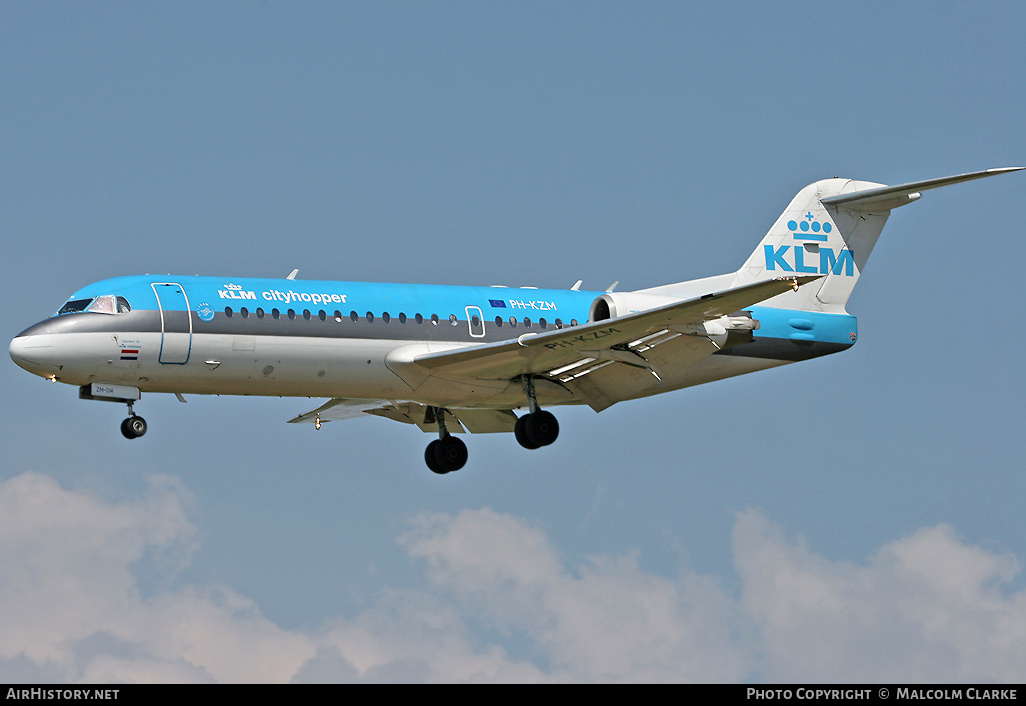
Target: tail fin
{"type": "Point", "coordinates": [830, 229]}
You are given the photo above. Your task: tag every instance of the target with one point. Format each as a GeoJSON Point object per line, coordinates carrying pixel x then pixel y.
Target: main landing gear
{"type": "Point", "coordinates": [537, 428]}
{"type": "Point", "coordinates": [134, 426]}
{"type": "Point", "coordinates": [446, 453]}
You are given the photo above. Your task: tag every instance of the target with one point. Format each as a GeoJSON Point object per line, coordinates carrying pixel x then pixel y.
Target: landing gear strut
{"type": "Point", "coordinates": [134, 426]}
{"type": "Point", "coordinates": [537, 428]}
{"type": "Point", "coordinates": [446, 453]}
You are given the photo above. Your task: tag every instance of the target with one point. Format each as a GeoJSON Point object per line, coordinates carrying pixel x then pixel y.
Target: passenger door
{"type": "Point", "coordinates": [175, 323]}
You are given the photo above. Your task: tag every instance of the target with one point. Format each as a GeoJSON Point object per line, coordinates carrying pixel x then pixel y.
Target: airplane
{"type": "Point", "coordinates": [455, 359]}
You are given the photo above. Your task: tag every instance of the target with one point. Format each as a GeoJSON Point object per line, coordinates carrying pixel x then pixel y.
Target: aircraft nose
{"type": "Point", "coordinates": [35, 354]}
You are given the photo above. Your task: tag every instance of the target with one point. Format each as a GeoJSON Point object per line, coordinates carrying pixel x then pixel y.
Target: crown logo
{"type": "Point", "coordinates": [233, 286]}
{"type": "Point", "coordinates": [808, 228]}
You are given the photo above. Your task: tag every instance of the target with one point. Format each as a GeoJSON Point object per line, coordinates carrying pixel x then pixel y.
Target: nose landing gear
{"type": "Point", "coordinates": [134, 426]}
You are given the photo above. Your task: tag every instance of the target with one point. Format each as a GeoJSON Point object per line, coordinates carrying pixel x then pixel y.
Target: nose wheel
{"type": "Point", "coordinates": [134, 426]}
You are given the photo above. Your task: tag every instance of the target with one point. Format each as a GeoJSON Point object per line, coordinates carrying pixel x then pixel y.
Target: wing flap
{"type": "Point", "coordinates": [487, 421]}
{"type": "Point", "coordinates": [415, 413]}
{"type": "Point", "coordinates": [457, 421]}
{"type": "Point", "coordinates": [336, 409]}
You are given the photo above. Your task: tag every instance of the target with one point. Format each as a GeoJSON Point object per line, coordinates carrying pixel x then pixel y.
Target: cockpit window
{"type": "Point", "coordinates": [73, 306]}
{"type": "Point", "coordinates": [106, 304]}
{"type": "Point", "coordinates": [102, 305]}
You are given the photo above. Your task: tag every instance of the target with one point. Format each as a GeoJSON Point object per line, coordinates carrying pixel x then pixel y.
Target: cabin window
{"type": "Point", "coordinates": [292, 313]}
{"type": "Point", "coordinates": [559, 323]}
{"type": "Point", "coordinates": [419, 319]}
{"type": "Point", "coordinates": [354, 316]}
{"type": "Point", "coordinates": [573, 322]}
{"type": "Point", "coordinates": [306, 314]}
{"type": "Point", "coordinates": [322, 315]}
{"type": "Point", "coordinates": [275, 313]}
{"type": "Point", "coordinates": [338, 316]}
{"type": "Point", "coordinates": [228, 311]}
{"type": "Point", "coordinates": [543, 323]}
{"type": "Point", "coordinates": [527, 322]}
{"type": "Point", "coordinates": [498, 321]}
{"type": "Point", "coordinates": [260, 313]}
{"type": "Point", "coordinates": [370, 317]}
{"type": "Point", "coordinates": [402, 318]}
{"type": "Point", "coordinates": [385, 317]}
{"type": "Point", "coordinates": [434, 319]}
{"type": "Point", "coordinates": [513, 321]}
{"type": "Point", "coordinates": [452, 320]}
{"type": "Point", "coordinates": [123, 306]}
{"type": "Point", "coordinates": [245, 312]}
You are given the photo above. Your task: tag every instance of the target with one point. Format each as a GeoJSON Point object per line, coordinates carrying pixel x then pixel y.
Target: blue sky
{"type": "Point", "coordinates": [856, 517]}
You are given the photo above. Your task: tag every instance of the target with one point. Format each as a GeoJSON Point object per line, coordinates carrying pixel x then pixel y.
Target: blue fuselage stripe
{"type": "Point", "coordinates": [218, 303]}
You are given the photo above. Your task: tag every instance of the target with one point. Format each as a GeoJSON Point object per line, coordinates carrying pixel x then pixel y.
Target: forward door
{"type": "Point", "coordinates": [175, 323]}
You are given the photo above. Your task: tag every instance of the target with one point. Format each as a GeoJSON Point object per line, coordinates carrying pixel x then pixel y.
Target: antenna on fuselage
{"type": "Point", "coordinates": [292, 275]}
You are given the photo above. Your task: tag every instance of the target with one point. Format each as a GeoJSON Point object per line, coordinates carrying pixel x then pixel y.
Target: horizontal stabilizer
{"type": "Point", "coordinates": [887, 197]}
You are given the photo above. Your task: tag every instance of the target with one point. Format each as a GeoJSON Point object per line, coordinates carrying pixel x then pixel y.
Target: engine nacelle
{"type": "Point", "coordinates": [614, 304]}
{"type": "Point", "coordinates": [725, 331]}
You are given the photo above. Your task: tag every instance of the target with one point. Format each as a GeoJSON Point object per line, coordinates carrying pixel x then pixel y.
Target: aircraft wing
{"type": "Point", "coordinates": [623, 339]}
{"type": "Point", "coordinates": [335, 409]}
{"type": "Point", "coordinates": [475, 421]}
{"type": "Point", "coordinates": [564, 356]}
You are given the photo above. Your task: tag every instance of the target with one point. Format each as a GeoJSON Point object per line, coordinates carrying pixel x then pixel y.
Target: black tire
{"type": "Point", "coordinates": [432, 460]}
{"type": "Point", "coordinates": [520, 431]}
{"type": "Point", "coordinates": [136, 425]}
{"type": "Point", "coordinates": [126, 431]}
{"type": "Point", "coordinates": [541, 427]}
{"type": "Point", "coordinates": [451, 454]}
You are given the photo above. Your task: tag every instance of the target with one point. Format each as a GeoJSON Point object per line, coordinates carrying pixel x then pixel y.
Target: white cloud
{"type": "Point", "coordinates": [604, 620]}
{"type": "Point", "coordinates": [66, 579]}
{"type": "Point", "coordinates": [925, 608]}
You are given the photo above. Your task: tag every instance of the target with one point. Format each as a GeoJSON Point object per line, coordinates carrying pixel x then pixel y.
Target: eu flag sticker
{"type": "Point", "coordinates": [497, 303]}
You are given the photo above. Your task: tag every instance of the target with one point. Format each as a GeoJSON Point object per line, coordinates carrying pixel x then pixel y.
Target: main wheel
{"type": "Point", "coordinates": [451, 454]}
{"type": "Point", "coordinates": [431, 459]}
{"type": "Point", "coordinates": [541, 427]}
{"type": "Point", "coordinates": [520, 431]}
